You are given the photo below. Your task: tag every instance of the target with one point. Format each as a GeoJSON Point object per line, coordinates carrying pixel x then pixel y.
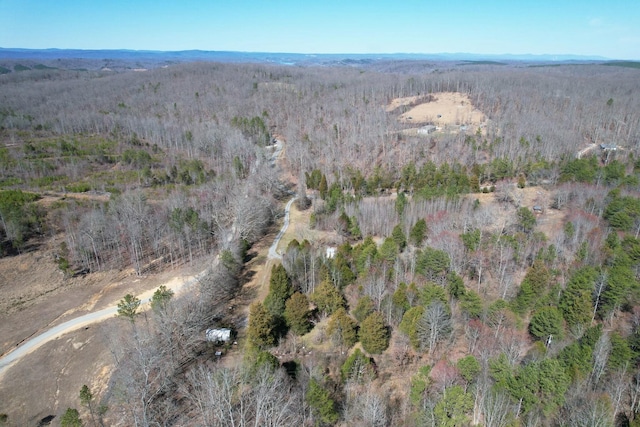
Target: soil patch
{"type": "Point", "coordinates": [35, 296]}
{"type": "Point", "coordinates": [47, 381]}
{"type": "Point", "coordinates": [548, 221]}
{"type": "Point", "coordinates": [442, 109]}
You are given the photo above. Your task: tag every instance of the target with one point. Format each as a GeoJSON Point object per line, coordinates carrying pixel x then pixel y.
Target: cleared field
{"type": "Point", "coordinates": [440, 109]}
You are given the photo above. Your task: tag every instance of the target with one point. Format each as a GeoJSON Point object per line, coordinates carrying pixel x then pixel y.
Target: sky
{"type": "Point", "coordinates": [608, 28]}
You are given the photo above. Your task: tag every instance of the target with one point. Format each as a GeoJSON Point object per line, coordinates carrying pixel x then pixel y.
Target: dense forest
{"type": "Point", "coordinates": [449, 300]}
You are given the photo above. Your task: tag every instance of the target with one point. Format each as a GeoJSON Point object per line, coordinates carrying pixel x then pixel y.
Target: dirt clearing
{"type": "Point", "coordinates": [35, 296]}
{"type": "Point", "coordinates": [439, 109]}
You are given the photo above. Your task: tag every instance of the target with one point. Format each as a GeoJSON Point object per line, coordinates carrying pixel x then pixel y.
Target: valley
{"type": "Point", "coordinates": [389, 245]}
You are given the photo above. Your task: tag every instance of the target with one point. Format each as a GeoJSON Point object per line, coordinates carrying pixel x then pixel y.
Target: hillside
{"type": "Point", "coordinates": [463, 249]}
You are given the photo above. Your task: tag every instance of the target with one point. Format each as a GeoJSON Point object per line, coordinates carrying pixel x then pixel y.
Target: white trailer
{"type": "Point", "coordinates": [218, 335]}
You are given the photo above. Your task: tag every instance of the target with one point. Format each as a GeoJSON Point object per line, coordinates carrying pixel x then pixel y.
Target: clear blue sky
{"type": "Point", "coordinates": [609, 28]}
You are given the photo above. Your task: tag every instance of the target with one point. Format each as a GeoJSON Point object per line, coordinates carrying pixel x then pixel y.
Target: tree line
{"type": "Point", "coordinates": [482, 317]}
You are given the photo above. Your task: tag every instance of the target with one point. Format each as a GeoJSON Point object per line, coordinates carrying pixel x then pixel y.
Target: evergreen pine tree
{"type": "Point", "coordinates": [279, 291]}
{"type": "Point", "coordinates": [342, 329]}
{"type": "Point", "coordinates": [260, 332]}
{"type": "Point", "coordinates": [418, 233]}
{"type": "Point", "coordinates": [374, 334]}
{"type": "Point", "coordinates": [296, 313]}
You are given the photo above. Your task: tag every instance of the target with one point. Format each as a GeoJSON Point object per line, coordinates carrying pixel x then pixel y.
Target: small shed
{"type": "Point", "coordinates": [538, 209]}
{"type": "Point", "coordinates": [608, 147]}
{"type": "Point", "coordinates": [426, 130]}
{"type": "Point", "coordinates": [331, 252]}
{"type": "Point", "coordinates": [218, 335]}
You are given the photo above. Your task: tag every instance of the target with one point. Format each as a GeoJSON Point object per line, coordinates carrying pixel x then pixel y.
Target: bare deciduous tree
{"type": "Point", "coordinates": [237, 397]}
{"type": "Point", "coordinates": [434, 326]}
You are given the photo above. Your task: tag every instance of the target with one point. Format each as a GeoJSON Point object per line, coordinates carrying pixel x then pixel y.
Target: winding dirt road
{"type": "Point", "coordinates": [586, 150]}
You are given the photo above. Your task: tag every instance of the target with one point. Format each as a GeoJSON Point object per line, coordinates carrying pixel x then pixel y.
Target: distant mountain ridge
{"type": "Point", "coordinates": [122, 59]}
{"type": "Point", "coordinates": [18, 53]}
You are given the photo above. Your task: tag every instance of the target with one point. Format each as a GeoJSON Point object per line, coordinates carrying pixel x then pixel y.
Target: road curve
{"type": "Point", "coordinates": [176, 285]}
{"type": "Point", "coordinates": [84, 320]}
{"type": "Point", "coordinates": [584, 151]}
{"type": "Point", "coordinates": [273, 253]}
{"type": "Point", "coordinates": [97, 316]}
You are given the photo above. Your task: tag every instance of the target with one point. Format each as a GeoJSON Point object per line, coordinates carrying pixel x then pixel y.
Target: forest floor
{"type": "Point", "coordinates": [549, 221]}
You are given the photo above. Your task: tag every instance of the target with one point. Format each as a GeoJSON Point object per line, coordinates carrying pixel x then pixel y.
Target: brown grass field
{"type": "Point", "coordinates": [440, 109]}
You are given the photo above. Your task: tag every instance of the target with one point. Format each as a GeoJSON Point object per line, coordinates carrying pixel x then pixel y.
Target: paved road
{"type": "Point", "coordinates": [7, 360]}
{"type": "Point", "coordinates": [98, 316]}
{"type": "Point", "coordinates": [273, 253]}
{"type": "Point", "coordinates": [176, 285]}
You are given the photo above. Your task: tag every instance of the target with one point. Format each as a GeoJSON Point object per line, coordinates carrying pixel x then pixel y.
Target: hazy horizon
{"type": "Point", "coordinates": [594, 29]}
{"type": "Point", "coordinates": [479, 54]}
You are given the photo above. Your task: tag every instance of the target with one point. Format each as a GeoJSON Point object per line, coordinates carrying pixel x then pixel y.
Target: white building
{"type": "Point", "coordinates": [331, 252]}
{"type": "Point", "coordinates": [426, 130]}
